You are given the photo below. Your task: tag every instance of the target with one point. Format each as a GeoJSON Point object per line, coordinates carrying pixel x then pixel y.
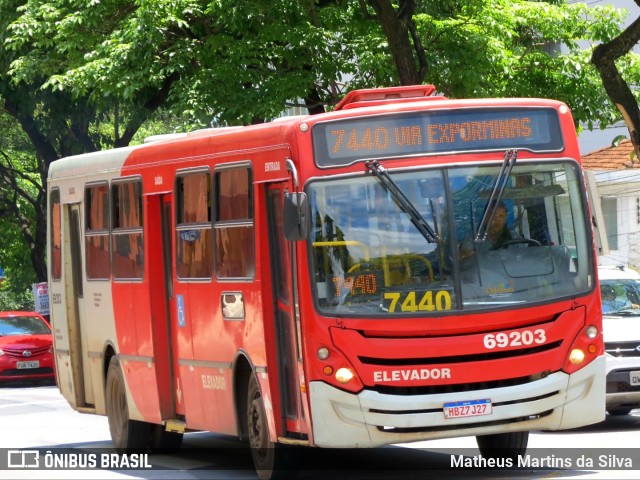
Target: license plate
{"type": "Point", "coordinates": [31, 364]}
{"type": "Point", "coordinates": [634, 378]}
{"type": "Point", "coordinates": [469, 408]}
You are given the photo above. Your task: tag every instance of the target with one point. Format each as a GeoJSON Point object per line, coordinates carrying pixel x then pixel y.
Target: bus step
{"type": "Point", "coordinates": [293, 441]}
{"type": "Point", "coordinates": [175, 425]}
{"type": "Point", "coordinates": [86, 409]}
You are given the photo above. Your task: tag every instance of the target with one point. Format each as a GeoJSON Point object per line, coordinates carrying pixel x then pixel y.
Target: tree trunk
{"type": "Point", "coordinates": [604, 57]}
{"type": "Point", "coordinates": [398, 28]}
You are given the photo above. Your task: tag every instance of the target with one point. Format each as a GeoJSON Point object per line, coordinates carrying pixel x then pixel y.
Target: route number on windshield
{"type": "Point", "coordinates": [417, 301]}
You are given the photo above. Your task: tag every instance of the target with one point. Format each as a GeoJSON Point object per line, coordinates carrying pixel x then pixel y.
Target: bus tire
{"type": "Point", "coordinates": [126, 434]}
{"type": "Point", "coordinates": [268, 457]}
{"type": "Point", "coordinates": [503, 445]}
{"type": "Point", "coordinates": [619, 411]}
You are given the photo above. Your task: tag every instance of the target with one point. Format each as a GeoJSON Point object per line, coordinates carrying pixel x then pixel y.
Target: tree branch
{"type": "Point", "coordinates": [604, 58]}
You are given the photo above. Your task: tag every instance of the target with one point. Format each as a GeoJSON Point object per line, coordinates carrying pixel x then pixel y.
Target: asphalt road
{"type": "Point", "coordinates": [38, 422]}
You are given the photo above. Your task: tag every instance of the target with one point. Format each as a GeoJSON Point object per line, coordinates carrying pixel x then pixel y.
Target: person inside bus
{"type": "Point", "coordinates": [498, 235]}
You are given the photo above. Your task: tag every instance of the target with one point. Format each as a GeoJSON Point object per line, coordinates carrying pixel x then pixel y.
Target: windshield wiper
{"type": "Point", "coordinates": [402, 201]}
{"type": "Point", "coordinates": [510, 157]}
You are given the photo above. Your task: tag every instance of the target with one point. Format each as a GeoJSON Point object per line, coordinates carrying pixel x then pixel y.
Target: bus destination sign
{"type": "Point", "coordinates": [475, 129]}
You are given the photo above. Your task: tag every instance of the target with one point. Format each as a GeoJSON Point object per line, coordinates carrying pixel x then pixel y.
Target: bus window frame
{"type": "Point", "coordinates": [222, 225]}
{"type": "Point", "coordinates": [55, 261]}
{"type": "Point", "coordinates": [89, 232]}
{"type": "Point", "coordinates": [181, 226]}
{"type": "Point", "coordinates": [117, 230]}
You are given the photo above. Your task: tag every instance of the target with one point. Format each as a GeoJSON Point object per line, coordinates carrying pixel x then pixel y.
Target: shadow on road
{"type": "Point", "coordinates": [209, 456]}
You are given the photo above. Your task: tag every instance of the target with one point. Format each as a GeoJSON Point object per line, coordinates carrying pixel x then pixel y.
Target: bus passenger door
{"type": "Point", "coordinates": [161, 290]}
{"type": "Point", "coordinates": [76, 318]}
{"type": "Point", "coordinates": [286, 324]}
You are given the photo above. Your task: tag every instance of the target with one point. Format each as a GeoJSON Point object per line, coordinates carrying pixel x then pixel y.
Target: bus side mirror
{"type": "Point", "coordinates": [295, 216]}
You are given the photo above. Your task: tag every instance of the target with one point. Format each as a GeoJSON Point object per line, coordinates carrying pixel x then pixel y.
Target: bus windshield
{"type": "Point", "coordinates": [369, 258]}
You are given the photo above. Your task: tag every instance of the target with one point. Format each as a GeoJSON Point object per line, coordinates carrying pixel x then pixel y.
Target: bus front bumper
{"type": "Point", "coordinates": [371, 419]}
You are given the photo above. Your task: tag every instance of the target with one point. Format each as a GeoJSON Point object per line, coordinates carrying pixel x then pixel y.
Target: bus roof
{"type": "Point", "coordinates": [114, 159]}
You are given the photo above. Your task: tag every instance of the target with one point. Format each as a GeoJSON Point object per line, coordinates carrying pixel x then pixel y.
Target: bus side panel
{"type": "Point", "coordinates": [209, 399]}
{"type": "Point", "coordinates": [149, 402]}
{"type": "Point", "coordinates": [181, 324]}
{"type": "Point", "coordinates": [96, 326]}
{"type": "Point", "coordinates": [134, 367]}
{"type": "Point", "coordinates": [141, 381]}
{"type": "Point", "coordinates": [206, 377]}
{"type": "Point", "coordinates": [124, 299]}
{"type": "Point", "coordinates": [216, 341]}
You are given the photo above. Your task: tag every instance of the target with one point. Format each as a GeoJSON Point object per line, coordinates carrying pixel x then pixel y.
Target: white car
{"type": "Point", "coordinates": [620, 289]}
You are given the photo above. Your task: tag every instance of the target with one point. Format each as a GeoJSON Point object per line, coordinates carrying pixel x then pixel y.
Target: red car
{"type": "Point", "coordinates": [26, 347]}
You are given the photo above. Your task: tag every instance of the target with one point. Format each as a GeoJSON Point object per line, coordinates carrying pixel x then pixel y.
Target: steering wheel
{"type": "Point", "coordinates": [530, 242]}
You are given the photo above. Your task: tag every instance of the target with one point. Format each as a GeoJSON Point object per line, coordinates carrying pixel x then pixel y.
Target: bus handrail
{"type": "Point", "coordinates": [344, 243]}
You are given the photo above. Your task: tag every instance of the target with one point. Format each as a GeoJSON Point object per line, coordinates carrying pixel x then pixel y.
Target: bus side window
{"type": "Point", "coordinates": [234, 230]}
{"type": "Point", "coordinates": [97, 253]}
{"type": "Point", "coordinates": [127, 235]}
{"type": "Point", "coordinates": [55, 220]}
{"type": "Point", "coordinates": [194, 245]}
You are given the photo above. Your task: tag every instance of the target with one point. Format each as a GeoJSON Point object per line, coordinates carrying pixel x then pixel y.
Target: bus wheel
{"type": "Point", "coordinates": [503, 445]}
{"type": "Point", "coordinates": [268, 457]}
{"type": "Point", "coordinates": [619, 411]}
{"type": "Point", "coordinates": [125, 433]}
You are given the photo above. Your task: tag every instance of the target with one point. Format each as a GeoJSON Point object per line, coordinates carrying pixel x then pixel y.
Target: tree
{"type": "Point", "coordinates": [79, 77]}
{"type": "Point", "coordinates": [405, 44]}
{"type": "Point", "coordinates": [493, 48]}
{"type": "Point", "coordinates": [56, 123]}
{"type": "Point", "coordinates": [606, 57]}
{"type": "Point", "coordinates": [16, 215]}
{"type": "Point", "coordinates": [497, 48]}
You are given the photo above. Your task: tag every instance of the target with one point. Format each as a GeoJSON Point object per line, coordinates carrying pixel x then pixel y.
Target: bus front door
{"type": "Point", "coordinates": [287, 322]}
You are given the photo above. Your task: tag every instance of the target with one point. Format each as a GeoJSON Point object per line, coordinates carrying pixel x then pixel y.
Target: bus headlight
{"type": "Point", "coordinates": [576, 356]}
{"type": "Point", "coordinates": [344, 375]}
{"type": "Point", "coordinates": [586, 346]}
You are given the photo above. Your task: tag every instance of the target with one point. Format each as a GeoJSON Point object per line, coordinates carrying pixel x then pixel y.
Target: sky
{"type": "Point", "coordinates": [597, 139]}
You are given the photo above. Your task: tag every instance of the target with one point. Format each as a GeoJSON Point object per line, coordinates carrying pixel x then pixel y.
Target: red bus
{"type": "Point", "coordinates": [333, 280]}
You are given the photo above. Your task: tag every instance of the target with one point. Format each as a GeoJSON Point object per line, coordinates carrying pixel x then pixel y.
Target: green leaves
{"type": "Point", "coordinates": [504, 48]}
{"type": "Point", "coordinates": [235, 61]}
{"type": "Point", "coordinates": [80, 75]}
